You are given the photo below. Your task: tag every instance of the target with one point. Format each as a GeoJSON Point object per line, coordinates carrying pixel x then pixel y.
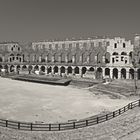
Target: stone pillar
{"type": "Point", "coordinates": [103, 59]}
{"type": "Point", "coordinates": [81, 60]}
{"type": "Point", "coordinates": [73, 59]}
{"type": "Point", "coordinates": [88, 59]}
{"type": "Point", "coordinates": [103, 72]}
{"type": "Point", "coordinates": [66, 59]}
{"type": "Point", "coordinates": [136, 73]}
{"type": "Point", "coordinates": [96, 59]}
{"type": "Point", "coordinates": [59, 71]}
{"type": "Point", "coordinates": [80, 72]}
{"type": "Point", "coordinates": [66, 70]}
{"type": "Point", "coordinates": [111, 73]}
{"type": "Point", "coordinates": [46, 70]}
{"type": "Point", "coordinates": [119, 74]}
{"type": "Point", "coordinates": [39, 58]}
{"type": "Point", "coordinates": [52, 71]}
{"type": "Point", "coordinates": [127, 74]}
{"type": "Point", "coordinates": [8, 68]}
{"type": "Point", "coordinates": [73, 73]}
{"type": "Point", "coordinates": [46, 58]}
{"type": "Point", "coordinates": [39, 67]}
{"type": "Point", "coordinates": [59, 58]}
{"type": "Point", "coordinates": [53, 59]}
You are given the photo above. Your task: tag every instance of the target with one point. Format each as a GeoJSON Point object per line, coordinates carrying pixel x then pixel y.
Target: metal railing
{"type": "Point", "coordinates": [70, 125]}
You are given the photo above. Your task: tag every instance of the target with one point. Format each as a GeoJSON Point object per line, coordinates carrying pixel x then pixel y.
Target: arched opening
{"type": "Point", "coordinates": [99, 73]}
{"type": "Point", "coordinates": [55, 69]}
{"type": "Point", "coordinates": [6, 68]}
{"type": "Point", "coordinates": [131, 73]}
{"type": "Point", "coordinates": [24, 67]}
{"type": "Point", "coordinates": [76, 70]}
{"type": "Point", "coordinates": [62, 69]}
{"type": "Point", "coordinates": [139, 57]}
{"type": "Point", "coordinates": [30, 67]}
{"type": "Point", "coordinates": [42, 60]}
{"type": "Point", "coordinates": [107, 57]}
{"type": "Point", "coordinates": [36, 68]}
{"type": "Point", "coordinates": [123, 73]}
{"type": "Point", "coordinates": [92, 57]}
{"type": "Point", "coordinates": [69, 70]}
{"type": "Point", "coordinates": [49, 57]}
{"type": "Point", "coordinates": [115, 73]}
{"type": "Point", "coordinates": [77, 57]}
{"type": "Point", "coordinates": [12, 68]}
{"type": "Point", "coordinates": [99, 58]}
{"type": "Point", "coordinates": [0, 59]}
{"type": "Point", "coordinates": [84, 69]}
{"type": "Point", "coordinates": [91, 69]}
{"type": "Point", "coordinates": [123, 53]}
{"type": "Point", "coordinates": [138, 71]}
{"type": "Point", "coordinates": [49, 70]}
{"type": "Point", "coordinates": [18, 69]}
{"type": "Point", "coordinates": [107, 72]}
{"type": "Point", "coordinates": [63, 58]}
{"type": "Point", "coordinates": [18, 66]}
{"type": "Point", "coordinates": [56, 57]}
{"type": "Point", "coordinates": [131, 55]}
{"type": "Point", "coordinates": [0, 67]}
{"type": "Point", "coordinates": [84, 57]}
{"type": "Point", "coordinates": [115, 53]}
{"type": "Point", "coordinates": [42, 68]}
{"type": "Point", "coordinates": [69, 57]}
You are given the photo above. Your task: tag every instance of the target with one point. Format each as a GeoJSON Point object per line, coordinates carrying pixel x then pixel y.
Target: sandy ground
{"type": "Point", "coordinates": [26, 101]}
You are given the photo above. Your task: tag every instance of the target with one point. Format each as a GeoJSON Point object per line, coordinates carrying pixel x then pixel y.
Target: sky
{"type": "Point", "coordinates": [38, 20]}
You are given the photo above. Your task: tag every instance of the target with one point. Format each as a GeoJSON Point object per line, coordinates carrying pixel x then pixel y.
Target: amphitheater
{"type": "Point", "coordinates": [92, 59]}
{"type": "Point", "coordinates": [95, 58]}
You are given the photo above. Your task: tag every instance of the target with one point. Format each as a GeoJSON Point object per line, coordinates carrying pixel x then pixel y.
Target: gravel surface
{"type": "Point", "coordinates": [124, 127]}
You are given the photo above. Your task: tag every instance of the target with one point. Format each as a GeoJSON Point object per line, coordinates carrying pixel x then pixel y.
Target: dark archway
{"type": "Point", "coordinates": [69, 57]}
{"type": "Point", "coordinates": [107, 57]}
{"type": "Point", "coordinates": [115, 53]}
{"type": "Point", "coordinates": [123, 53]}
{"type": "Point", "coordinates": [76, 70]}
{"type": "Point", "coordinates": [12, 68]}
{"type": "Point", "coordinates": [69, 70]}
{"type": "Point", "coordinates": [6, 67]}
{"type": "Point", "coordinates": [24, 67]}
{"type": "Point", "coordinates": [0, 59]}
{"type": "Point", "coordinates": [115, 73]}
{"type": "Point", "coordinates": [91, 69]}
{"type": "Point", "coordinates": [55, 69]}
{"type": "Point", "coordinates": [123, 73]}
{"type": "Point", "coordinates": [36, 67]}
{"type": "Point", "coordinates": [62, 69]}
{"type": "Point", "coordinates": [84, 69]}
{"type": "Point", "coordinates": [0, 67]}
{"type": "Point", "coordinates": [18, 67]}
{"type": "Point", "coordinates": [49, 69]}
{"type": "Point", "coordinates": [107, 72]}
{"type": "Point", "coordinates": [42, 68]}
{"type": "Point", "coordinates": [99, 73]}
{"type": "Point", "coordinates": [138, 71]}
{"type": "Point", "coordinates": [56, 57]}
{"type": "Point", "coordinates": [131, 73]}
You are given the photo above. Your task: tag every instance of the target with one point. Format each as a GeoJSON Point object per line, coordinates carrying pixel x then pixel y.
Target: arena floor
{"type": "Point", "coordinates": [33, 102]}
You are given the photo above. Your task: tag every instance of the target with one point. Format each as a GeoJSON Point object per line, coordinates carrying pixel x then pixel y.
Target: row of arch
{"type": "Point", "coordinates": [68, 57]}
{"type": "Point", "coordinates": [99, 72]}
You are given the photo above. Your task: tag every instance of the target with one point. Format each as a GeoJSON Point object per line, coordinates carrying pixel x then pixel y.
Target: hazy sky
{"type": "Point", "coordinates": [35, 20]}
